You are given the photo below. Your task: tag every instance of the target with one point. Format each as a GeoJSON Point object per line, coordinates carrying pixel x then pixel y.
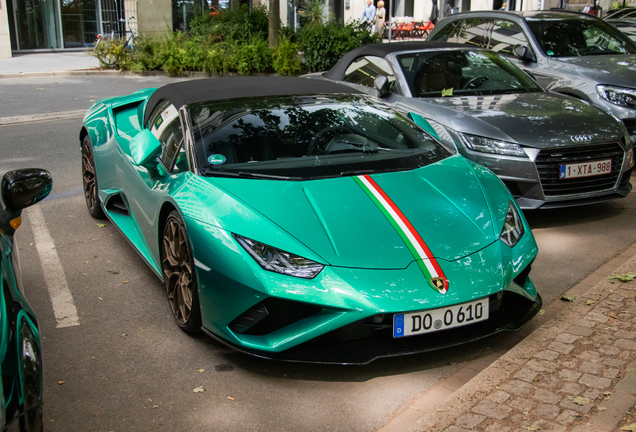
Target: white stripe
{"type": "Point", "coordinates": [54, 277]}
{"type": "Point", "coordinates": [201, 265]}
{"type": "Point", "coordinates": [405, 229]}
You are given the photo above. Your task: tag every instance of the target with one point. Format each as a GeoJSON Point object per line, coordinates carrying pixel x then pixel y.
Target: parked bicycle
{"type": "Point", "coordinates": [110, 58]}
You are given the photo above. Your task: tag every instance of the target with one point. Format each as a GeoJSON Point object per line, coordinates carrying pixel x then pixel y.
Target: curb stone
{"type": "Point", "coordinates": [587, 351]}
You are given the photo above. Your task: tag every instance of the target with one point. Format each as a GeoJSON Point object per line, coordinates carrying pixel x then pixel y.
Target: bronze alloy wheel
{"type": "Point", "coordinates": [89, 180]}
{"type": "Point", "coordinates": [178, 273]}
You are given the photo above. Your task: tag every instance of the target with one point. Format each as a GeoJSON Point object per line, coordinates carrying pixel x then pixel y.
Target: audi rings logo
{"type": "Point", "coordinates": [581, 138]}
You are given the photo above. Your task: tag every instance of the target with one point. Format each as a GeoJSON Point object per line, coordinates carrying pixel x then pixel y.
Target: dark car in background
{"type": "Point", "coordinates": [20, 355]}
{"type": "Point", "coordinates": [566, 52]}
{"type": "Point", "coordinates": [551, 150]}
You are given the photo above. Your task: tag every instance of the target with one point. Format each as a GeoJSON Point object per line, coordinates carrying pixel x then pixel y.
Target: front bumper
{"type": "Point", "coordinates": [534, 182]}
{"type": "Point", "coordinates": [276, 316]}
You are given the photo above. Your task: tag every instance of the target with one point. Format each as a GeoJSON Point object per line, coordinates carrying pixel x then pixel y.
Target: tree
{"type": "Point", "coordinates": [274, 22]}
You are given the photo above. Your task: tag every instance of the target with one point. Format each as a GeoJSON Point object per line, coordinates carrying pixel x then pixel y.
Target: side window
{"type": "Point", "coordinates": [365, 70]}
{"type": "Point", "coordinates": [166, 126]}
{"type": "Point", "coordinates": [468, 31]}
{"type": "Point", "coordinates": [505, 35]}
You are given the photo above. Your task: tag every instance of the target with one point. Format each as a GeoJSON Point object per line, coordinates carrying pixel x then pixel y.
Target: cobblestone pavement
{"type": "Point", "coordinates": [575, 373]}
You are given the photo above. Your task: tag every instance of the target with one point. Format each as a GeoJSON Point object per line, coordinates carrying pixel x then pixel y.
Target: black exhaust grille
{"type": "Point", "coordinates": [548, 164]}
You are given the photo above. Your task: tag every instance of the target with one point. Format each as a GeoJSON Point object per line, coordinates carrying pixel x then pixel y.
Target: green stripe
{"type": "Point", "coordinates": [399, 230]}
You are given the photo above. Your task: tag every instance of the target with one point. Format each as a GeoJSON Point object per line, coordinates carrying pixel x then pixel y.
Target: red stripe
{"type": "Point", "coordinates": [415, 234]}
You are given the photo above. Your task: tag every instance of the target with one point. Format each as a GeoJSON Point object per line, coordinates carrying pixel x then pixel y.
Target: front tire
{"type": "Point", "coordinates": [177, 265]}
{"type": "Point", "coordinates": [89, 180]}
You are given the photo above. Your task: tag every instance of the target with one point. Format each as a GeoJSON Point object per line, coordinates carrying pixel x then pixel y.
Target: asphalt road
{"type": "Point", "coordinates": [127, 366]}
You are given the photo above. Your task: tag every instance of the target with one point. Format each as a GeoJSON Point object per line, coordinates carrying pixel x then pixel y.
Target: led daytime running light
{"type": "Point", "coordinates": [619, 96]}
{"type": "Point", "coordinates": [513, 229]}
{"type": "Point", "coordinates": [487, 145]}
{"type": "Point", "coordinates": [279, 261]}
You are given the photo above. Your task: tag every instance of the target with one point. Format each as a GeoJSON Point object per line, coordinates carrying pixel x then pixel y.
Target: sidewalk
{"type": "Point", "coordinates": [576, 373]}
{"type": "Point", "coordinates": [52, 63]}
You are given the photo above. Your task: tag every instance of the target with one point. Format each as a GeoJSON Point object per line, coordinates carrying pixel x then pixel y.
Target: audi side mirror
{"type": "Point", "coordinates": [523, 53]}
{"type": "Point", "coordinates": [24, 187]}
{"type": "Point", "coordinates": [382, 85]}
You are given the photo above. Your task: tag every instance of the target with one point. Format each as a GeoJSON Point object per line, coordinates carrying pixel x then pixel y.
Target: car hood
{"type": "Point", "coordinates": [608, 69]}
{"type": "Point", "coordinates": [538, 120]}
{"type": "Point", "coordinates": [338, 221]}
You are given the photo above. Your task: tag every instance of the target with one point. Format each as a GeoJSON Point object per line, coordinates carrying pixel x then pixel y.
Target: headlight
{"type": "Point", "coordinates": [617, 95]}
{"type": "Point", "coordinates": [487, 145]}
{"type": "Point", "coordinates": [513, 226]}
{"type": "Point", "coordinates": [279, 261]}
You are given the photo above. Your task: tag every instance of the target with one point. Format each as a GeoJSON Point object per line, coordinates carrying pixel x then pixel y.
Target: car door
{"type": "Point", "coordinates": [504, 36]}
{"type": "Point", "coordinates": [146, 188]}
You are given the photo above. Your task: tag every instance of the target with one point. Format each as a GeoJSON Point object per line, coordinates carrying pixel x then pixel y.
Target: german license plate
{"type": "Point", "coordinates": [586, 169]}
{"type": "Point", "coordinates": [440, 319]}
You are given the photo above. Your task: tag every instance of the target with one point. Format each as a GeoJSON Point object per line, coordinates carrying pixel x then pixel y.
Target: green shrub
{"type": "Point", "coordinates": [254, 56]}
{"type": "Point", "coordinates": [286, 57]}
{"type": "Point", "coordinates": [232, 26]}
{"type": "Point", "coordinates": [324, 45]}
{"type": "Point", "coordinates": [111, 53]}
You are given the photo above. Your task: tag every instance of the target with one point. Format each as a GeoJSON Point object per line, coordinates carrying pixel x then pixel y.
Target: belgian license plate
{"type": "Point", "coordinates": [586, 169]}
{"type": "Point", "coordinates": [440, 319]}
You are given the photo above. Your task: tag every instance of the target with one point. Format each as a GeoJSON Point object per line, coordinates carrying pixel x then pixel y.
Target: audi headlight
{"type": "Point", "coordinates": [279, 261]}
{"type": "Point", "coordinates": [487, 145]}
{"type": "Point", "coordinates": [513, 226]}
{"type": "Point", "coordinates": [624, 97]}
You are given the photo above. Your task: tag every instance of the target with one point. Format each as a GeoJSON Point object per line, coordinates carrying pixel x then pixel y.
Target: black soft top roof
{"type": "Point", "coordinates": [189, 92]}
{"type": "Point", "coordinates": [380, 50]}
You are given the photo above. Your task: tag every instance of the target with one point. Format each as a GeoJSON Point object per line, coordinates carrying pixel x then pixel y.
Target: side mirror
{"type": "Point", "coordinates": [24, 187]}
{"type": "Point", "coordinates": [523, 53]}
{"type": "Point", "coordinates": [382, 85]}
{"type": "Point", "coordinates": [145, 149]}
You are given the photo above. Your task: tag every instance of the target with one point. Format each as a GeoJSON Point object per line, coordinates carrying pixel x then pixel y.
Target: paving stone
{"type": "Point", "coordinates": [626, 344]}
{"type": "Point", "coordinates": [522, 404]}
{"type": "Point", "coordinates": [520, 419]}
{"type": "Point", "coordinates": [591, 356]}
{"type": "Point", "coordinates": [498, 397]}
{"type": "Point", "coordinates": [546, 396]}
{"type": "Point", "coordinates": [567, 417]}
{"type": "Point", "coordinates": [526, 374]}
{"type": "Point", "coordinates": [497, 428]}
{"type": "Point", "coordinates": [547, 411]}
{"type": "Point", "coordinates": [591, 368]}
{"type": "Point", "coordinates": [620, 401]}
{"type": "Point", "coordinates": [605, 420]}
{"type": "Point", "coordinates": [547, 355]}
{"type": "Point", "coordinates": [623, 334]}
{"type": "Point", "coordinates": [611, 373]}
{"type": "Point", "coordinates": [580, 331]}
{"type": "Point", "coordinates": [455, 429]}
{"type": "Point", "coordinates": [469, 420]}
{"type": "Point", "coordinates": [624, 355]}
{"type": "Point", "coordinates": [518, 387]}
{"type": "Point", "coordinates": [490, 409]}
{"type": "Point", "coordinates": [595, 382]}
{"type": "Point", "coordinates": [609, 350]}
{"type": "Point", "coordinates": [592, 393]}
{"type": "Point", "coordinates": [569, 404]}
{"type": "Point", "coordinates": [563, 348]}
{"type": "Point", "coordinates": [566, 338]}
{"type": "Point", "coordinates": [628, 383]}
{"type": "Point", "coordinates": [568, 364]}
{"type": "Point", "coordinates": [585, 323]}
{"type": "Point", "coordinates": [546, 426]}
{"type": "Point", "coordinates": [572, 388]}
{"type": "Point", "coordinates": [542, 365]}
{"type": "Point", "coordinates": [613, 362]}
{"type": "Point", "coordinates": [569, 375]}
{"type": "Point", "coordinates": [616, 297]}
{"type": "Point", "coordinates": [596, 316]}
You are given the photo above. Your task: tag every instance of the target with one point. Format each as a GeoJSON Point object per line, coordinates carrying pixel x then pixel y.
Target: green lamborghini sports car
{"type": "Point", "coordinates": [302, 220]}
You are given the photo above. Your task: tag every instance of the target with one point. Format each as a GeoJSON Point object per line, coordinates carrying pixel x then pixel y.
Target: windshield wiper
{"type": "Point", "coordinates": [368, 171]}
{"type": "Point", "coordinates": [244, 174]}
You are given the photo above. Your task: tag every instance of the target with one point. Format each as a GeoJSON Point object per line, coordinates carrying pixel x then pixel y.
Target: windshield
{"type": "Point", "coordinates": [306, 137]}
{"type": "Point", "coordinates": [463, 73]}
{"type": "Point", "coordinates": [579, 37]}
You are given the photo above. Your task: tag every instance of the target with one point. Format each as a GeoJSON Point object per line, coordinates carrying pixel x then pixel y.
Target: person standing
{"type": "Point", "coordinates": [434, 13]}
{"type": "Point", "coordinates": [368, 16]}
{"type": "Point", "coordinates": [380, 16]}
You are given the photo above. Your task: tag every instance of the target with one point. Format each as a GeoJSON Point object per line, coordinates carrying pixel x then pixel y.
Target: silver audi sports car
{"type": "Point", "coordinates": [551, 150]}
